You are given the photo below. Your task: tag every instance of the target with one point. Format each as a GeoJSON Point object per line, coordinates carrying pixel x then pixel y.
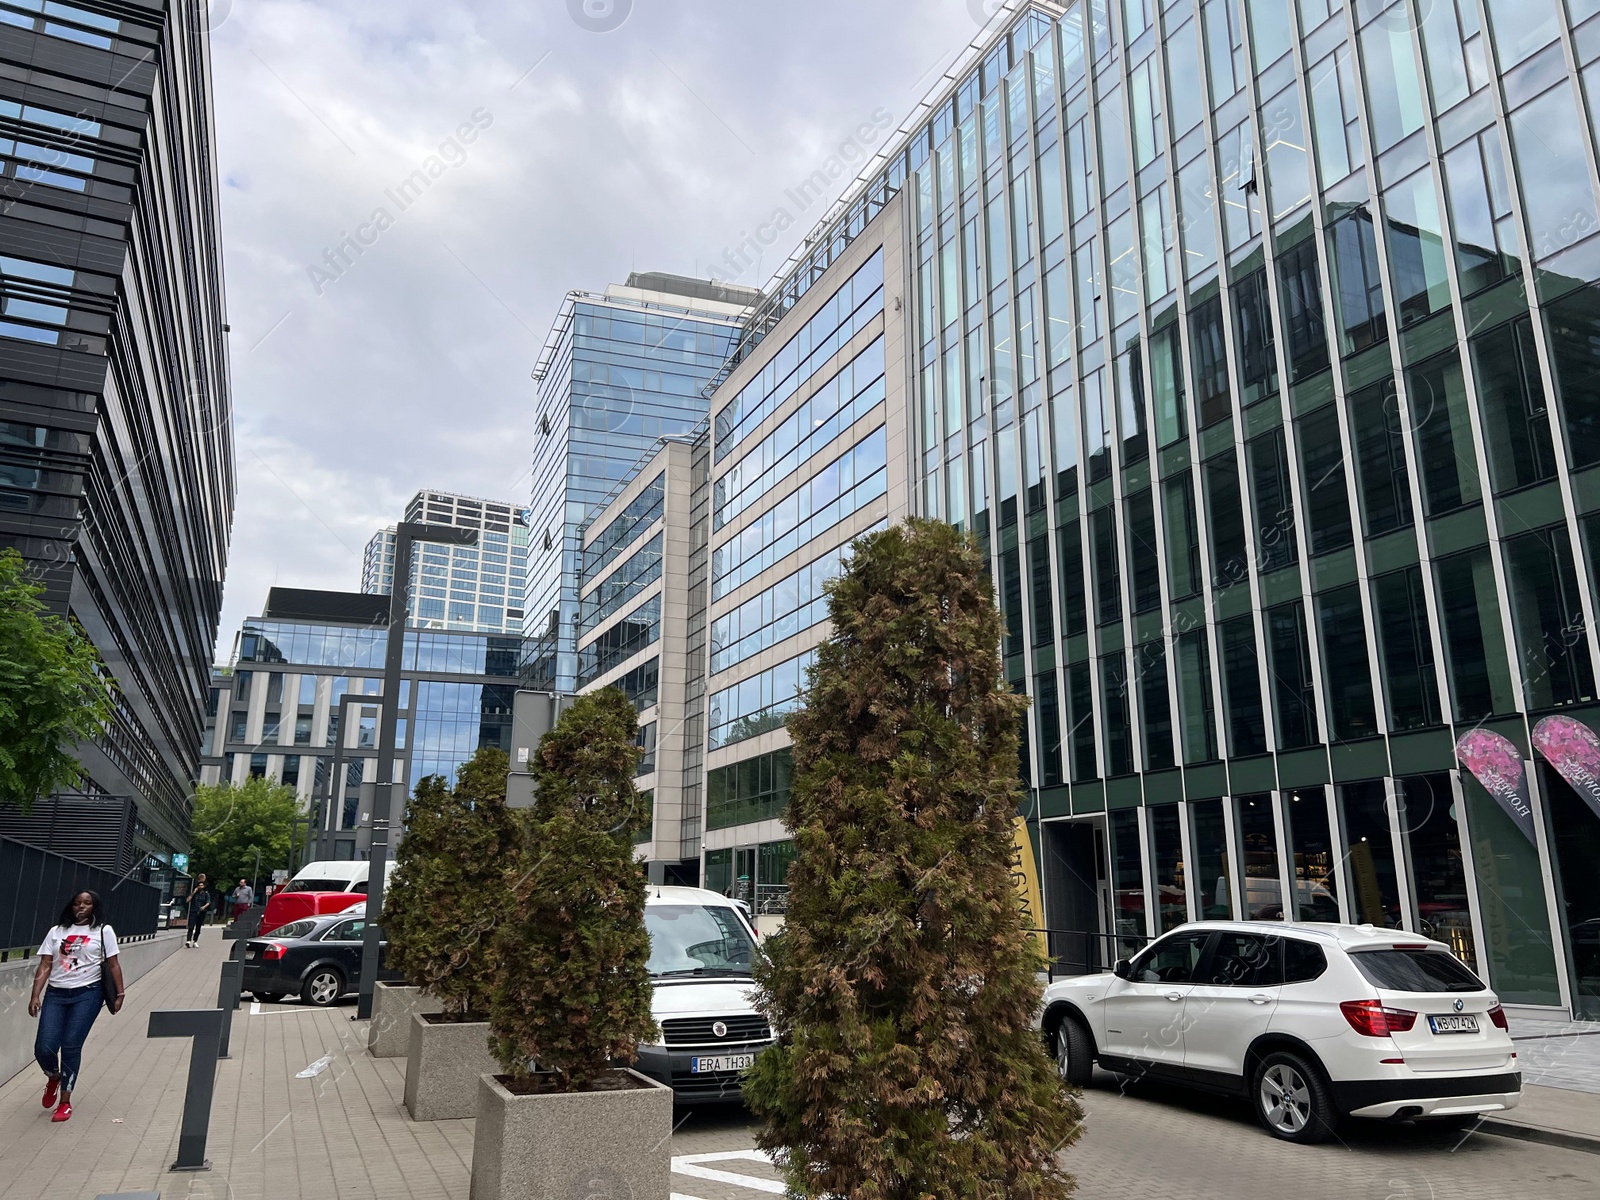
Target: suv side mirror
{"type": "Point", "coordinates": [1123, 969]}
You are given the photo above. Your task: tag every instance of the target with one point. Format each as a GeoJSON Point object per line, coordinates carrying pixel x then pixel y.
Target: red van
{"type": "Point", "coordinates": [317, 889]}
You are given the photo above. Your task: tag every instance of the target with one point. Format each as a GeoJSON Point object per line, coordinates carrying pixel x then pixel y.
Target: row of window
{"type": "Point", "coordinates": [837, 404]}
{"type": "Point", "coordinates": [640, 628]}
{"type": "Point", "coordinates": [639, 571]}
{"type": "Point", "coordinates": [845, 313]}
{"type": "Point", "coordinates": [642, 511]}
{"type": "Point", "coordinates": [845, 485]}
{"type": "Point", "coordinates": [756, 789]}
{"type": "Point", "coordinates": [758, 704]}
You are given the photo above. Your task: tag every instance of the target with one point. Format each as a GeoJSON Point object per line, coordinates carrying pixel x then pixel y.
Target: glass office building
{"type": "Point", "coordinates": [280, 710]}
{"type": "Point", "coordinates": [618, 372]}
{"type": "Point", "coordinates": [1259, 345]}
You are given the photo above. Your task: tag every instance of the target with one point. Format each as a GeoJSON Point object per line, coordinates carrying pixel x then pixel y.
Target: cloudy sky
{"type": "Point", "coordinates": [563, 157]}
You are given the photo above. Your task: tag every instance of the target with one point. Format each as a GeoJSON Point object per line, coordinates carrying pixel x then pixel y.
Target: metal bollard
{"type": "Point", "coordinates": [204, 1025]}
{"type": "Point", "coordinates": [228, 1001]}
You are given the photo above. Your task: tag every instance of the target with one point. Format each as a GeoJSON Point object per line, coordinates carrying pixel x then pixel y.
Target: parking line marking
{"type": "Point", "coordinates": [695, 1170]}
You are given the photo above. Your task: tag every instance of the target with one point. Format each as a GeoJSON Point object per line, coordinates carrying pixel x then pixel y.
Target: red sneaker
{"type": "Point", "coordinates": [63, 1112]}
{"type": "Point", "coordinates": [51, 1086]}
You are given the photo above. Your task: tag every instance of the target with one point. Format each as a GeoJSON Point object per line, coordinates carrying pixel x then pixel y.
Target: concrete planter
{"type": "Point", "coordinates": [393, 1005]}
{"type": "Point", "coordinates": [443, 1062]}
{"type": "Point", "coordinates": [554, 1147]}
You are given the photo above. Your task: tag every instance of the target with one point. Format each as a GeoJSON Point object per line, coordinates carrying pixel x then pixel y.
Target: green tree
{"type": "Point", "coordinates": [903, 984]}
{"type": "Point", "coordinates": [573, 992]}
{"type": "Point", "coordinates": [449, 891]}
{"type": "Point", "coordinates": [53, 693]}
{"type": "Point", "coordinates": [230, 823]}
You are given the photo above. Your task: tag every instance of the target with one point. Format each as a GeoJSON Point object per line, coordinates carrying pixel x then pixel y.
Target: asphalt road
{"type": "Point", "coordinates": [1163, 1143]}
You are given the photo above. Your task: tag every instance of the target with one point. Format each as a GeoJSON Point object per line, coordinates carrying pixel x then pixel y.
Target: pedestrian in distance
{"type": "Point", "coordinates": [243, 897]}
{"type": "Point", "coordinates": [199, 909]}
{"type": "Point", "coordinates": [79, 970]}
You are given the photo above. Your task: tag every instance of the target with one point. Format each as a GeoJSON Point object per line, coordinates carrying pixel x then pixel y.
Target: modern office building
{"type": "Point", "coordinates": [704, 574]}
{"type": "Point", "coordinates": [618, 371]}
{"type": "Point", "coordinates": [477, 588]}
{"type": "Point", "coordinates": [116, 440]}
{"type": "Point", "coordinates": [1256, 343]}
{"type": "Point", "coordinates": [282, 713]}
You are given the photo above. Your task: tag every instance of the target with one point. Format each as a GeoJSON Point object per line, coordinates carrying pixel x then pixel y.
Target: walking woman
{"type": "Point", "coordinates": [77, 953]}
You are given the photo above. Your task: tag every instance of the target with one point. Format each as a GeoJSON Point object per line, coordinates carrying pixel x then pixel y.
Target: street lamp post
{"type": "Point", "coordinates": [406, 533]}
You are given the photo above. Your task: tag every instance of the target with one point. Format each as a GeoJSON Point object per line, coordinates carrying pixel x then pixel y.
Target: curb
{"type": "Point", "coordinates": [1580, 1142]}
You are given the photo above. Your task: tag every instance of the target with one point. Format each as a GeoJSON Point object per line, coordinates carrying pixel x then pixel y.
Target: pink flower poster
{"type": "Point", "coordinates": [1573, 749]}
{"type": "Point", "coordinates": [1496, 763]}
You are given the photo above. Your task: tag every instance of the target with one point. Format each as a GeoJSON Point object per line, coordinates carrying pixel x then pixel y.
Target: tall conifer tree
{"type": "Point", "coordinates": [903, 984]}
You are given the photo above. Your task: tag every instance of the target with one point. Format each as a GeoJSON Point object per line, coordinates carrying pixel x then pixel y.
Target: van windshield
{"type": "Point", "coordinates": [697, 939]}
{"type": "Point", "coordinates": [319, 885]}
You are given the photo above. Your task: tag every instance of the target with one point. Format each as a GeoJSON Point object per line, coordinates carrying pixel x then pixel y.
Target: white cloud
{"type": "Point", "coordinates": [652, 147]}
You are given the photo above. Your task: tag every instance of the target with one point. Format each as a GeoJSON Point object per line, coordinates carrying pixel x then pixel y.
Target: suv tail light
{"type": "Point", "coordinates": [1497, 1018]}
{"type": "Point", "coordinates": [1371, 1018]}
{"type": "Point", "coordinates": [272, 952]}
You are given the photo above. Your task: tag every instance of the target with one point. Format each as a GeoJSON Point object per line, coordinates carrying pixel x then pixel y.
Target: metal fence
{"type": "Point", "coordinates": [35, 884]}
{"type": "Point", "coordinates": [1082, 952]}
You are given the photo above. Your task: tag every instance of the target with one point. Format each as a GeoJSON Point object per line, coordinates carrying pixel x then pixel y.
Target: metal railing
{"type": "Point", "coordinates": [1082, 952]}
{"type": "Point", "coordinates": [35, 883]}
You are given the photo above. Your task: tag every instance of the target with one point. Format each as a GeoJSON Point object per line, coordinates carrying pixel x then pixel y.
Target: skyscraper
{"type": "Point", "coordinates": [458, 587]}
{"type": "Point", "coordinates": [116, 442]}
{"type": "Point", "coordinates": [618, 371]}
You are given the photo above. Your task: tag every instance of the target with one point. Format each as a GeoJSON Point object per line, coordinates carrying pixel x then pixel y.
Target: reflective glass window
{"type": "Point", "coordinates": [1196, 702]}
{"type": "Point", "coordinates": [1276, 543]}
{"type": "Point", "coordinates": [1127, 880]}
{"type": "Point", "coordinates": [1380, 458]}
{"type": "Point", "coordinates": [1155, 705]}
{"type": "Point", "coordinates": [1208, 835]}
{"type": "Point", "coordinates": [1241, 680]}
{"type": "Point", "coordinates": [1358, 290]}
{"type": "Point", "coordinates": [1074, 605]}
{"type": "Point", "coordinates": [1416, 247]}
{"type": "Point", "coordinates": [1557, 199]}
{"type": "Point", "coordinates": [1346, 675]}
{"type": "Point", "coordinates": [1469, 609]}
{"type": "Point", "coordinates": [1143, 552]}
{"type": "Point", "coordinates": [1552, 636]}
{"type": "Point", "coordinates": [1516, 419]}
{"type": "Point", "coordinates": [1080, 718]}
{"type": "Point", "coordinates": [1573, 323]}
{"type": "Point", "coordinates": [1442, 428]}
{"type": "Point", "coordinates": [1314, 856]}
{"type": "Point", "coordinates": [1107, 569]}
{"type": "Point", "coordinates": [1166, 860]}
{"type": "Point", "coordinates": [1289, 663]}
{"type": "Point", "coordinates": [1479, 197]}
{"type": "Point", "coordinates": [1114, 714]}
{"type": "Point", "coordinates": [1258, 858]}
{"type": "Point", "coordinates": [1374, 883]}
{"type": "Point", "coordinates": [1184, 562]}
{"type": "Point", "coordinates": [1407, 649]}
{"type": "Point", "coordinates": [1230, 552]}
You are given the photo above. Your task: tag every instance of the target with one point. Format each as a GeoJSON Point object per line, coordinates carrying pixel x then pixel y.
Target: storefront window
{"type": "Point", "coordinates": [1172, 905]}
{"type": "Point", "coordinates": [1549, 617]}
{"type": "Point", "coordinates": [1127, 881]}
{"type": "Point", "coordinates": [1313, 854]}
{"type": "Point", "coordinates": [1374, 886]}
{"type": "Point", "coordinates": [1576, 829]}
{"type": "Point", "coordinates": [1438, 874]}
{"type": "Point", "coordinates": [719, 871]}
{"type": "Point", "coordinates": [1516, 923]}
{"type": "Point", "coordinates": [1258, 855]}
{"type": "Point", "coordinates": [1209, 837]}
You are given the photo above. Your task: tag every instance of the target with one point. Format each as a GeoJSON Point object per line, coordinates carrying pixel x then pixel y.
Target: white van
{"type": "Point", "coordinates": [702, 948]}
{"type": "Point", "coordinates": [336, 876]}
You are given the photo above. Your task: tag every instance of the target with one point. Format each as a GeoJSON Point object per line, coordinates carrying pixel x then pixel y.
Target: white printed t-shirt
{"type": "Point", "coordinates": [76, 954]}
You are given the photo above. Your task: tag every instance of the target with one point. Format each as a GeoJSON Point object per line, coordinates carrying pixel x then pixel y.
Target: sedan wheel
{"type": "Point", "coordinates": [322, 987]}
{"type": "Point", "coordinates": [1292, 1101]}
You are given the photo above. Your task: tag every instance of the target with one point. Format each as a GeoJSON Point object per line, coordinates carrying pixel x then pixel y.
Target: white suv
{"type": "Point", "coordinates": [1310, 1022]}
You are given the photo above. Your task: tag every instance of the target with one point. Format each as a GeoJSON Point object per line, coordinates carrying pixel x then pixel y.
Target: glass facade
{"type": "Point", "coordinates": [618, 372]}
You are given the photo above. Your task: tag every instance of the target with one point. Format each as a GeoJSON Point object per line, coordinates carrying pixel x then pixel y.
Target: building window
{"type": "Point", "coordinates": [1048, 711]}
{"type": "Point", "coordinates": [1184, 564]}
{"type": "Point", "coordinates": [1322, 475]}
{"type": "Point", "coordinates": [1127, 880]}
{"type": "Point", "coordinates": [1080, 715]}
{"type": "Point", "coordinates": [1358, 290]}
{"type": "Point", "coordinates": [1443, 431]}
{"type": "Point", "coordinates": [1074, 599]}
{"type": "Point", "coordinates": [742, 793]}
{"type": "Point", "coordinates": [1545, 607]}
{"type": "Point", "coordinates": [1155, 707]}
{"type": "Point", "coordinates": [1143, 552]}
{"type": "Point", "coordinates": [1516, 419]}
{"type": "Point", "coordinates": [1258, 853]}
{"type": "Point", "coordinates": [1313, 856]}
{"type": "Point", "coordinates": [1256, 346]}
{"type": "Point", "coordinates": [1276, 544]}
{"type": "Point", "coordinates": [1469, 607]}
{"type": "Point", "coordinates": [1107, 574]}
{"type": "Point", "coordinates": [1344, 656]}
{"type": "Point", "coordinates": [1247, 730]}
{"type": "Point", "coordinates": [1166, 844]}
{"type": "Point", "coordinates": [1114, 708]}
{"type": "Point", "coordinates": [1289, 660]}
{"type": "Point", "coordinates": [1196, 708]}
{"type": "Point", "coordinates": [1381, 458]}
{"type": "Point", "coordinates": [1300, 293]}
{"type": "Point", "coordinates": [1407, 645]}
{"type": "Point", "coordinates": [1208, 835]}
{"type": "Point", "coordinates": [1230, 552]}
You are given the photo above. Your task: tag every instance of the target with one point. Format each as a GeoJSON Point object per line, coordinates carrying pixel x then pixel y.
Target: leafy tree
{"type": "Point", "coordinates": [53, 693]}
{"type": "Point", "coordinates": [903, 984]}
{"type": "Point", "coordinates": [573, 992]}
{"type": "Point", "coordinates": [449, 890]}
{"type": "Point", "coordinates": [230, 823]}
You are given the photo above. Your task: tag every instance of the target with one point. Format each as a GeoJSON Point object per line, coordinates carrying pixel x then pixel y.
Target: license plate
{"type": "Point", "coordinates": [1467, 1023]}
{"type": "Point", "coordinates": [249, 953]}
{"type": "Point", "coordinates": [706, 1064]}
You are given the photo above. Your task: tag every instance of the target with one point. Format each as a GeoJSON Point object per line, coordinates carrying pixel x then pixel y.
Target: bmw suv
{"type": "Point", "coordinates": [1311, 1023]}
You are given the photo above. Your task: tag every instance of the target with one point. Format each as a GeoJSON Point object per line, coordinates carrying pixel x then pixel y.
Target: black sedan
{"type": "Point", "coordinates": [318, 959]}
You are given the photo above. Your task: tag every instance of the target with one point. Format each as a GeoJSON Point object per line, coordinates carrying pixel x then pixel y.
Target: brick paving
{"type": "Point", "coordinates": [344, 1133]}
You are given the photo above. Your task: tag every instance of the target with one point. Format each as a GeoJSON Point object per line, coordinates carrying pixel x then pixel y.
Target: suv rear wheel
{"type": "Point", "coordinates": [1074, 1055]}
{"type": "Point", "coordinates": [1291, 1099]}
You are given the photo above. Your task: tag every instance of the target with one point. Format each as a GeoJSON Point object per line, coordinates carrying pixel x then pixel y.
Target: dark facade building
{"type": "Point", "coordinates": [116, 452]}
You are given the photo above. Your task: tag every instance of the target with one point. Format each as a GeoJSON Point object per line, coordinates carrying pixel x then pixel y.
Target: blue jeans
{"type": "Point", "coordinates": [64, 1023]}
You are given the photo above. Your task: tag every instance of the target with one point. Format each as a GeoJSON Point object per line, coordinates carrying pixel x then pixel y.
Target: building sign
{"type": "Point", "coordinates": [180, 862]}
{"type": "Point", "coordinates": [1025, 878]}
{"type": "Point", "coordinates": [1496, 763]}
{"type": "Point", "coordinates": [1573, 749]}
